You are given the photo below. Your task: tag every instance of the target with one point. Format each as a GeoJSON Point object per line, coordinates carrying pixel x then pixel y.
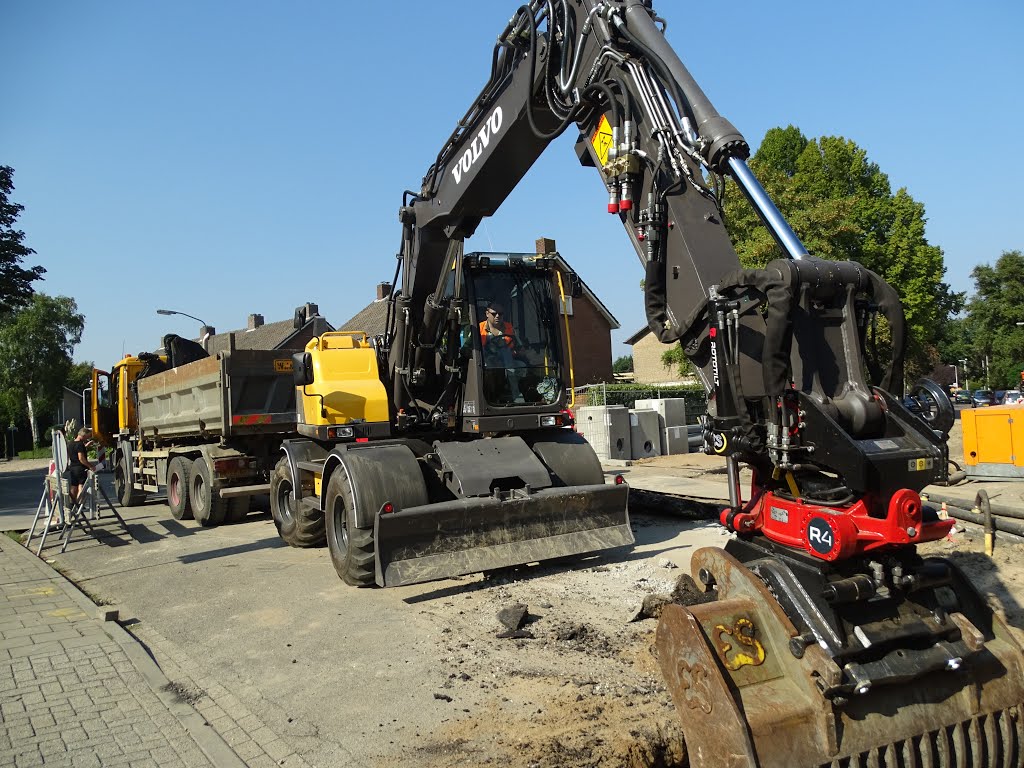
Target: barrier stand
{"type": "Point", "coordinates": [87, 508]}
{"type": "Point", "coordinates": [52, 500]}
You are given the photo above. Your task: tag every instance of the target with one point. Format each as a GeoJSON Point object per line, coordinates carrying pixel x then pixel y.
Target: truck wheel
{"type": "Point", "coordinates": [126, 495]}
{"type": "Point", "coordinates": [238, 509]}
{"type": "Point", "coordinates": [177, 488]}
{"type": "Point", "coordinates": [351, 548]}
{"type": "Point", "coordinates": [207, 507]}
{"type": "Point", "coordinates": [297, 525]}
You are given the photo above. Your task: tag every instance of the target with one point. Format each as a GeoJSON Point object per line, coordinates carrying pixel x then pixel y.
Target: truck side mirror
{"type": "Point", "coordinates": [302, 368]}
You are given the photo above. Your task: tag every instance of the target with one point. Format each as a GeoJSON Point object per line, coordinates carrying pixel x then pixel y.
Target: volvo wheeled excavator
{"type": "Point", "coordinates": [823, 637]}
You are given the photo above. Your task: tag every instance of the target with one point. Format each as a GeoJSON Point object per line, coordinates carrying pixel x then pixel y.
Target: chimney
{"type": "Point", "coordinates": [255, 321]}
{"type": "Point", "coordinates": [205, 332]}
{"type": "Point", "coordinates": [545, 246]}
{"type": "Point", "coordinates": [383, 290]}
{"type": "Point", "coordinates": [312, 310]}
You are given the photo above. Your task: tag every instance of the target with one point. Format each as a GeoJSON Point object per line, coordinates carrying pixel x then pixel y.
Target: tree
{"type": "Point", "coordinates": [35, 351]}
{"type": "Point", "coordinates": [623, 364]}
{"type": "Point", "coordinates": [992, 316]}
{"type": "Point", "coordinates": [841, 206]}
{"type": "Point", "coordinates": [15, 280]}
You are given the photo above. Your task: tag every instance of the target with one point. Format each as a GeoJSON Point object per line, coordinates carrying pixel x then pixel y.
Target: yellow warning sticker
{"type": "Point", "coordinates": [602, 140]}
{"type": "Point", "coordinates": [283, 366]}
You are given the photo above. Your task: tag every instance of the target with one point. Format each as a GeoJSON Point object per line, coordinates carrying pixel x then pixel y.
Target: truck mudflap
{"type": "Point", "coordinates": [453, 538]}
{"type": "Point", "coordinates": [746, 699]}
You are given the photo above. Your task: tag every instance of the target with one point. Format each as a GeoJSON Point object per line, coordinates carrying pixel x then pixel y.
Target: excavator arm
{"type": "Point", "coordinates": [828, 639]}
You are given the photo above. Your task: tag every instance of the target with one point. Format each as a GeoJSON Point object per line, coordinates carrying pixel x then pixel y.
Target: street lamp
{"type": "Point", "coordinates": [176, 312]}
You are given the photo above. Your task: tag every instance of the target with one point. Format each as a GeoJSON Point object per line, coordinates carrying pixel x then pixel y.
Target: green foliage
{"type": "Point", "coordinates": [623, 364]}
{"type": "Point", "coordinates": [991, 324]}
{"type": "Point", "coordinates": [675, 357]}
{"type": "Point", "coordinates": [842, 207]}
{"type": "Point", "coordinates": [36, 453]}
{"type": "Point", "coordinates": [80, 376]}
{"type": "Point", "coordinates": [15, 280]}
{"type": "Point", "coordinates": [35, 352]}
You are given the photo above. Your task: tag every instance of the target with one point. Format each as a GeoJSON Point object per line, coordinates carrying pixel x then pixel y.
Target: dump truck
{"type": "Point", "coordinates": [208, 429]}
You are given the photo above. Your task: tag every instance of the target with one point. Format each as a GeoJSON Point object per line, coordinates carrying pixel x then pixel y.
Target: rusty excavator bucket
{"type": "Point", "coordinates": [940, 682]}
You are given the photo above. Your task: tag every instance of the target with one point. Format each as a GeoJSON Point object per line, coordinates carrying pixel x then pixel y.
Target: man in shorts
{"type": "Point", "coordinates": [79, 465]}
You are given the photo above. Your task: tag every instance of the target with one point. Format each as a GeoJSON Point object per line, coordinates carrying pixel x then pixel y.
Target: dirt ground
{"type": "Point", "coordinates": [583, 690]}
{"type": "Point", "coordinates": [586, 690]}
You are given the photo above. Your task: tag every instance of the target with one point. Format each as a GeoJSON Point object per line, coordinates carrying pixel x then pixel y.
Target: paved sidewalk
{"type": "Point", "coordinates": [79, 691]}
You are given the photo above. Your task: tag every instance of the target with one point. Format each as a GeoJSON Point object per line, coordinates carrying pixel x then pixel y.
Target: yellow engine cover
{"type": "Point", "coordinates": [346, 382]}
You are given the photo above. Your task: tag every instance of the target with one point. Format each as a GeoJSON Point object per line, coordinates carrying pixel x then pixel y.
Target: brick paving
{"type": "Point", "coordinates": [73, 692]}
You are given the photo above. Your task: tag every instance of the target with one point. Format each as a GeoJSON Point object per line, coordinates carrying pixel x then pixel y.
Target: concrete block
{"type": "Point", "coordinates": [675, 440]}
{"type": "Point", "coordinates": [645, 433]}
{"type": "Point", "coordinates": [606, 428]}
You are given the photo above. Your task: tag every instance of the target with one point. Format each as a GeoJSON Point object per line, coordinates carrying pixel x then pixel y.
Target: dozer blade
{"type": "Point", "coordinates": [747, 696]}
{"type": "Point", "coordinates": [453, 538]}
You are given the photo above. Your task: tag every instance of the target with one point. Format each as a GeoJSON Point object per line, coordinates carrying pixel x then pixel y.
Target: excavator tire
{"type": "Point", "coordinates": [570, 459]}
{"type": "Point", "coordinates": [750, 691]}
{"type": "Point", "coordinates": [207, 507]}
{"type": "Point", "coordinates": [297, 524]}
{"type": "Point", "coordinates": [126, 495]}
{"type": "Point", "coordinates": [177, 488]}
{"type": "Point", "coordinates": [351, 548]}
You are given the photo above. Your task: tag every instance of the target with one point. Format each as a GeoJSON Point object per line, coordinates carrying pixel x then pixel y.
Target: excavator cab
{"type": "Point", "coordinates": [513, 333]}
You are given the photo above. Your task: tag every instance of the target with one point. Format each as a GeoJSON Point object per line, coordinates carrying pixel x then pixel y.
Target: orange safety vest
{"type": "Point", "coordinates": [507, 335]}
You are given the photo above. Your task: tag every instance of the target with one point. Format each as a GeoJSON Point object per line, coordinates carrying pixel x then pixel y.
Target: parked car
{"type": "Point", "coordinates": [982, 398]}
{"type": "Point", "coordinates": [1013, 397]}
{"type": "Point", "coordinates": [963, 396]}
{"type": "Point", "coordinates": [997, 396]}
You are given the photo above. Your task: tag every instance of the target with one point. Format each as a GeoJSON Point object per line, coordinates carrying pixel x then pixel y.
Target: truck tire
{"type": "Point", "coordinates": [238, 509]}
{"type": "Point", "coordinates": [177, 488]}
{"type": "Point", "coordinates": [351, 548]}
{"type": "Point", "coordinates": [297, 525]}
{"type": "Point", "coordinates": [207, 507]}
{"type": "Point", "coordinates": [126, 495]}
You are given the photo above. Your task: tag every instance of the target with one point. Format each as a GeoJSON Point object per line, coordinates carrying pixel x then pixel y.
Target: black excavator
{"type": "Point", "coordinates": [823, 638]}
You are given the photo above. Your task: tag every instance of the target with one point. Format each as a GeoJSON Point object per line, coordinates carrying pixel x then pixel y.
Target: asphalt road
{"type": "Point", "coordinates": [345, 676]}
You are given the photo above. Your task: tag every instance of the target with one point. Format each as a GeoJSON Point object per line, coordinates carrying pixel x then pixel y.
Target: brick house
{"type": "Point", "coordinates": [647, 365]}
{"type": "Point", "coordinates": [590, 326]}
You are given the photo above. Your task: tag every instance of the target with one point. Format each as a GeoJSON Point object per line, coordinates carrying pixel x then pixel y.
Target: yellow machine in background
{"type": "Point", "coordinates": [994, 442]}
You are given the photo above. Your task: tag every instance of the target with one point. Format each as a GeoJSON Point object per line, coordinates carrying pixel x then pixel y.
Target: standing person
{"type": "Point", "coordinates": [79, 465]}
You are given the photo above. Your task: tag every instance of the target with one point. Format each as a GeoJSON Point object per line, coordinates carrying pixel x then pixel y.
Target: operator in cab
{"type": "Point", "coordinates": [501, 350]}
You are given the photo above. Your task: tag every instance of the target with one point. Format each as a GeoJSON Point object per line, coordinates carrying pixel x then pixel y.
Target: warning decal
{"type": "Point", "coordinates": [602, 140]}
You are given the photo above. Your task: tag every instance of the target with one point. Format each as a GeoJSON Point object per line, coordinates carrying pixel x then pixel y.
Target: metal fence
{"type": "Point", "coordinates": [603, 394]}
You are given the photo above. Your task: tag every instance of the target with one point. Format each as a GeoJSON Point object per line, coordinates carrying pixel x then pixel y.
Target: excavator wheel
{"type": "Point", "coordinates": [751, 692]}
{"type": "Point", "coordinates": [365, 481]}
{"type": "Point", "coordinates": [298, 525]}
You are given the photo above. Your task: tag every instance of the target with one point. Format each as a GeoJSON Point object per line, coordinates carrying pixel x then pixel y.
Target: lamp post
{"type": "Point", "coordinates": [176, 312]}
{"type": "Point", "coordinates": [967, 382]}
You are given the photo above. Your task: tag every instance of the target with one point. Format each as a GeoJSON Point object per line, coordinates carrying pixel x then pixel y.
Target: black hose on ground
{"type": "Point", "coordinates": [998, 523]}
{"type": "Point", "coordinates": [997, 509]}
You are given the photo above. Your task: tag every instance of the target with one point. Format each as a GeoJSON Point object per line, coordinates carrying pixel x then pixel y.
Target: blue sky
{"type": "Point", "coordinates": [225, 158]}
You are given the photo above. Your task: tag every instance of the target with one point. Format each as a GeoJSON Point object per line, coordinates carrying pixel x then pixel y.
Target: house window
{"type": "Point", "coordinates": [567, 306]}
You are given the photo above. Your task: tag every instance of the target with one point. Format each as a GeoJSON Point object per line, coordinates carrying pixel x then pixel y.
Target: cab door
{"type": "Point", "coordinates": [104, 414]}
